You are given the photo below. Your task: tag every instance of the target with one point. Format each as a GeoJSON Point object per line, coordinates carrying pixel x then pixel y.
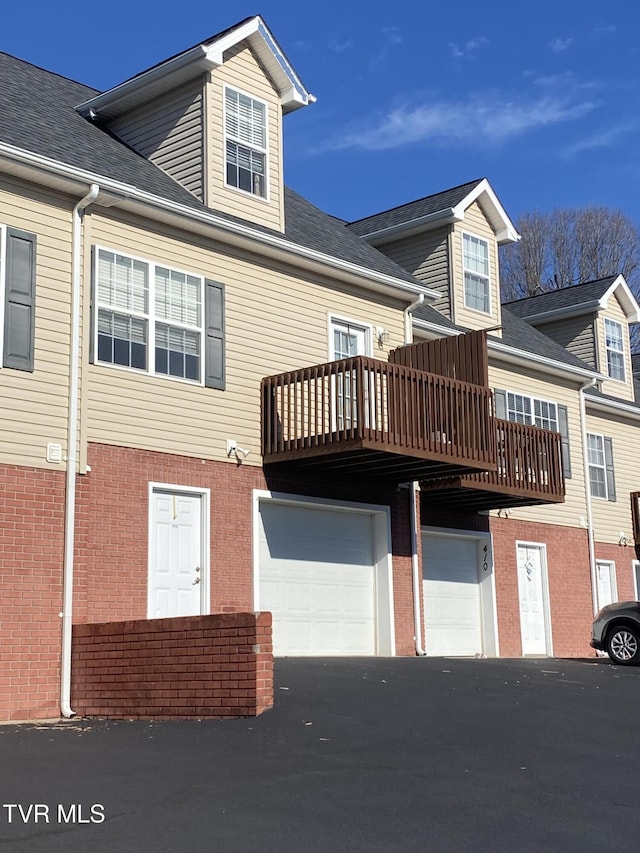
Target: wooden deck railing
{"type": "Point", "coordinates": [635, 517]}
{"type": "Point", "coordinates": [386, 406]}
{"type": "Point", "coordinates": [529, 461]}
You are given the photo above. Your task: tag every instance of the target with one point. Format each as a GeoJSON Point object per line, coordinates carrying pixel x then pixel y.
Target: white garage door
{"type": "Point", "coordinates": [317, 578]}
{"type": "Point", "coordinates": [452, 610]}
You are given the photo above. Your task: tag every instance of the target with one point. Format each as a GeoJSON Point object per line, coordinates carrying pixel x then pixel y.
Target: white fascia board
{"type": "Point", "coordinates": [612, 405]}
{"type": "Point", "coordinates": [433, 328]}
{"type": "Point", "coordinates": [505, 229]}
{"type": "Point", "coordinates": [561, 313]}
{"type": "Point", "coordinates": [148, 84]}
{"type": "Point", "coordinates": [203, 220]}
{"type": "Point", "coordinates": [413, 226]}
{"type": "Point", "coordinates": [504, 352]}
{"type": "Point", "coordinates": [627, 299]}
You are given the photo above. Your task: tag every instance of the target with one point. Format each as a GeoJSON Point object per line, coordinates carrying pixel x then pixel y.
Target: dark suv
{"type": "Point", "coordinates": [616, 630]}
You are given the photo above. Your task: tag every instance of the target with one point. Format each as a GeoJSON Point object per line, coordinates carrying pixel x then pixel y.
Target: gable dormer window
{"type": "Point", "coordinates": [475, 264]}
{"type": "Point", "coordinates": [245, 126]}
{"type": "Point", "coordinates": [614, 342]}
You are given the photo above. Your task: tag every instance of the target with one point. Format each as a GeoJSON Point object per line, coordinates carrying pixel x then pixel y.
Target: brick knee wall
{"type": "Point", "coordinates": [31, 549]}
{"type": "Point", "coordinates": [181, 668]}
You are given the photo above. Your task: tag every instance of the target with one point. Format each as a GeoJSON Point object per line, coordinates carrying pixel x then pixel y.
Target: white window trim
{"type": "Point", "coordinates": [532, 401]}
{"type": "Point", "coordinates": [334, 320]}
{"type": "Point", "coordinates": [635, 567]}
{"type": "Point", "coordinates": [381, 517]}
{"type": "Point", "coordinates": [608, 349]}
{"type": "Point", "coordinates": [205, 540]}
{"type": "Point", "coordinates": [150, 317]}
{"type": "Point", "coordinates": [3, 273]}
{"type": "Point", "coordinates": [266, 198]}
{"type": "Point", "coordinates": [464, 270]}
{"type": "Point", "coordinates": [604, 468]}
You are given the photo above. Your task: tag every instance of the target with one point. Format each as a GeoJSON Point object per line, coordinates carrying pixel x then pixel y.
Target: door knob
{"type": "Point", "coordinates": [197, 580]}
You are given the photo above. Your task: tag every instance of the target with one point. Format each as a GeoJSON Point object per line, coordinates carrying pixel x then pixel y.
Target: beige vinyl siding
{"type": "Point", "coordinates": [169, 132]}
{"type": "Point", "coordinates": [611, 386]}
{"type": "Point", "coordinates": [242, 70]}
{"type": "Point", "coordinates": [34, 405]}
{"type": "Point", "coordinates": [577, 334]}
{"type": "Point", "coordinates": [610, 518]}
{"type": "Point", "coordinates": [573, 511]}
{"type": "Point", "coordinates": [275, 321]}
{"type": "Point", "coordinates": [426, 256]}
{"type": "Point", "coordinates": [475, 223]}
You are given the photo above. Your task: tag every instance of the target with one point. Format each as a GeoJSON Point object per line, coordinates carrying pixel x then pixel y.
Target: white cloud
{"type": "Point", "coordinates": [468, 49]}
{"type": "Point", "coordinates": [337, 46]}
{"type": "Point", "coordinates": [392, 35]}
{"type": "Point", "coordinates": [602, 139]}
{"type": "Point", "coordinates": [559, 45]}
{"type": "Point", "coordinates": [605, 30]}
{"type": "Point", "coordinates": [486, 119]}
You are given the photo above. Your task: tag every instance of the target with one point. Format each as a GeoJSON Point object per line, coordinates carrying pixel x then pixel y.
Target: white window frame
{"type": "Point", "coordinates": [477, 274]}
{"type": "Point", "coordinates": [609, 350]}
{"type": "Point", "coordinates": [335, 321]}
{"type": "Point", "coordinates": [532, 414]}
{"type": "Point", "coordinates": [635, 568]}
{"type": "Point", "coordinates": [150, 317]}
{"type": "Point", "coordinates": [265, 150]}
{"type": "Point", "coordinates": [603, 467]}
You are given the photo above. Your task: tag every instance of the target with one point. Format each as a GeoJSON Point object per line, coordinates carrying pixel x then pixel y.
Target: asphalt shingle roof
{"type": "Point", "coordinates": [565, 297]}
{"type": "Point", "coordinates": [413, 209]}
{"type": "Point", "coordinates": [38, 114]}
{"type": "Point", "coordinates": [521, 335]}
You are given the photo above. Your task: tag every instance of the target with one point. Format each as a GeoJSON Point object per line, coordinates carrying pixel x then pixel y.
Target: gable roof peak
{"type": "Point", "coordinates": [194, 61]}
{"type": "Point", "coordinates": [433, 211]}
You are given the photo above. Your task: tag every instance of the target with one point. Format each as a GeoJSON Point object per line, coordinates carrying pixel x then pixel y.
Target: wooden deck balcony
{"type": "Point", "coordinates": [375, 420]}
{"type": "Point", "coordinates": [529, 472]}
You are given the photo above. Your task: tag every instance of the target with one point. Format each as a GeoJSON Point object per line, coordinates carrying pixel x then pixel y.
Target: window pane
{"type": "Point", "coordinates": [122, 340]}
{"type": "Point", "coordinates": [177, 352]}
{"type": "Point", "coordinates": [476, 292]}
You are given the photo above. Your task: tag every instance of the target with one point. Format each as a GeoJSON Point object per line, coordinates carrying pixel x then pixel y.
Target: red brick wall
{"type": "Point", "coordinates": [569, 575]}
{"type": "Point", "coordinates": [112, 531]}
{"type": "Point", "coordinates": [31, 556]}
{"type": "Point", "coordinates": [188, 667]}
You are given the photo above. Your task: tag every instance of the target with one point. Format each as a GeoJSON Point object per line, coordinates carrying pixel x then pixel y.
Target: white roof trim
{"type": "Point", "coordinates": [608, 405]}
{"type": "Point", "coordinates": [195, 61]}
{"type": "Point", "coordinates": [627, 300]}
{"type": "Point", "coordinates": [114, 192]}
{"type": "Point", "coordinates": [548, 365]}
{"type": "Point", "coordinates": [500, 222]}
{"type": "Point", "coordinates": [504, 228]}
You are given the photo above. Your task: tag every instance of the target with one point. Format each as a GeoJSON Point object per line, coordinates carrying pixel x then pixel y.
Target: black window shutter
{"type": "Point", "coordinates": [214, 346]}
{"type": "Point", "coordinates": [20, 300]}
{"type": "Point", "coordinates": [92, 306]}
{"type": "Point", "coordinates": [563, 425]}
{"type": "Point", "coordinates": [608, 461]}
{"type": "Point", "coordinates": [500, 398]}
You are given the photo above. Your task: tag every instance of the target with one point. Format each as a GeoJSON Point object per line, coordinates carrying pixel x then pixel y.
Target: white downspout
{"type": "Point", "coordinates": [72, 442]}
{"type": "Point", "coordinates": [413, 497]}
{"type": "Point", "coordinates": [587, 493]}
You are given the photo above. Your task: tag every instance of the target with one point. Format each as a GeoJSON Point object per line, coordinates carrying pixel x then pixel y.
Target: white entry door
{"type": "Point", "coordinates": [175, 555]}
{"type": "Point", "coordinates": [605, 583]}
{"type": "Point", "coordinates": [347, 341]}
{"type": "Point", "coordinates": [451, 589]}
{"type": "Point", "coordinates": [533, 599]}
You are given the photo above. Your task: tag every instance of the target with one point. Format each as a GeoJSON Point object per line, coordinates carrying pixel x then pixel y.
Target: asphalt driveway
{"type": "Point", "coordinates": [358, 755]}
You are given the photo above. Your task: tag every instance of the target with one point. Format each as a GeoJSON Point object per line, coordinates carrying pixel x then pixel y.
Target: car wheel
{"type": "Point", "coordinates": [623, 645]}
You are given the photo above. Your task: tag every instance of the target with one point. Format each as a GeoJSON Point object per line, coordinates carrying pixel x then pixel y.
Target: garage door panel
{"type": "Point", "coordinates": [452, 609]}
{"type": "Point", "coordinates": [317, 578]}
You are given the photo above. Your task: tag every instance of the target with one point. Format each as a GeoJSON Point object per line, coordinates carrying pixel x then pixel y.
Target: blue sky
{"type": "Point", "coordinates": [413, 98]}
